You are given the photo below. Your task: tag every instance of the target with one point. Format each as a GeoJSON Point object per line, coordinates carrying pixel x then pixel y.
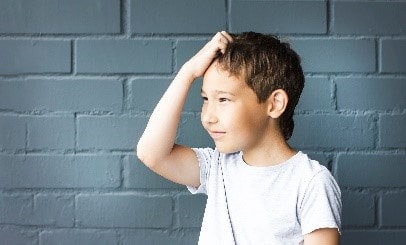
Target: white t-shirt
{"type": "Point", "coordinates": [264, 205]}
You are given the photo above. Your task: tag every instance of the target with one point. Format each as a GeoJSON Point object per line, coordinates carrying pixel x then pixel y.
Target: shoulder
{"type": "Point", "coordinates": [309, 168]}
{"type": "Point", "coordinates": [314, 176]}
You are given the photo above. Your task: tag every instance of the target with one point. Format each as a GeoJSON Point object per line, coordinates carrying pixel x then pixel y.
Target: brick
{"type": "Point", "coordinates": [14, 209]}
{"type": "Point", "coordinates": [176, 237]}
{"type": "Point", "coordinates": [43, 209]}
{"type": "Point", "coordinates": [336, 55]}
{"type": "Point", "coordinates": [58, 16]}
{"type": "Point", "coordinates": [147, 92]}
{"type": "Point", "coordinates": [370, 93]}
{"type": "Point", "coordinates": [33, 56]}
{"type": "Point", "coordinates": [185, 49]}
{"type": "Point", "coordinates": [194, 99]}
{"type": "Point", "coordinates": [374, 18]}
{"type": "Point", "coordinates": [393, 56]}
{"type": "Point", "coordinates": [51, 133]}
{"type": "Point", "coordinates": [332, 131]}
{"type": "Point", "coordinates": [124, 56]}
{"type": "Point", "coordinates": [137, 175]}
{"type": "Point", "coordinates": [78, 237]}
{"type": "Point", "coordinates": [12, 132]}
{"type": "Point", "coordinates": [381, 171]}
{"type": "Point", "coordinates": [64, 171]}
{"type": "Point", "coordinates": [393, 204]}
{"type": "Point", "coordinates": [123, 210]}
{"type": "Point", "coordinates": [191, 209]}
{"type": "Point", "coordinates": [62, 95]}
{"type": "Point", "coordinates": [373, 237]}
{"type": "Point", "coordinates": [316, 95]}
{"type": "Point", "coordinates": [143, 101]}
{"type": "Point", "coordinates": [18, 236]}
{"type": "Point", "coordinates": [279, 16]}
{"type": "Point", "coordinates": [53, 209]}
{"type": "Point", "coordinates": [391, 129]}
{"type": "Point", "coordinates": [192, 133]}
{"type": "Point", "coordinates": [181, 16]}
{"type": "Point", "coordinates": [109, 132]}
{"type": "Point", "coordinates": [358, 209]}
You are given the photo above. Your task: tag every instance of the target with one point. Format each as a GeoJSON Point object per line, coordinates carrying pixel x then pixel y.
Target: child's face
{"type": "Point", "coordinates": [231, 113]}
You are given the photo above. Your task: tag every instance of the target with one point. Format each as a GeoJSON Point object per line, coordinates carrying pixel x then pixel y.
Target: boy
{"type": "Point", "coordinates": [260, 190]}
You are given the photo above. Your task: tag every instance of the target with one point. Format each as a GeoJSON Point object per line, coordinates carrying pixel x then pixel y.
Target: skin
{"type": "Point", "coordinates": [230, 114]}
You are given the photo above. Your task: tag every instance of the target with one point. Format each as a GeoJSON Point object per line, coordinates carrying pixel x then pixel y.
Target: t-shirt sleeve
{"type": "Point", "coordinates": [204, 156]}
{"type": "Point", "coordinates": [321, 205]}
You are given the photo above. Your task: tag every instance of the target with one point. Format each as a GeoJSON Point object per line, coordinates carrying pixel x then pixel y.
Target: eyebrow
{"type": "Point", "coordinates": [218, 92]}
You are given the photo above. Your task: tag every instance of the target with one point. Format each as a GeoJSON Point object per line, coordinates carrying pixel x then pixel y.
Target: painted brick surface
{"type": "Point", "coordinates": [316, 95]}
{"type": "Point", "coordinates": [373, 237]}
{"type": "Point", "coordinates": [43, 209]}
{"type": "Point", "coordinates": [367, 93]}
{"type": "Point", "coordinates": [12, 132]}
{"type": "Point", "coordinates": [17, 236]}
{"type": "Point", "coordinates": [142, 101]}
{"type": "Point", "coordinates": [124, 56]}
{"type": "Point", "coordinates": [377, 170]}
{"type": "Point", "coordinates": [279, 16]}
{"type": "Point", "coordinates": [50, 133]}
{"type": "Point", "coordinates": [321, 131]}
{"type": "Point", "coordinates": [79, 79]}
{"type": "Point", "coordinates": [367, 17]}
{"type": "Point", "coordinates": [194, 99]}
{"type": "Point", "coordinates": [61, 95]}
{"type": "Point", "coordinates": [53, 171]}
{"type": "Point", "coordinates": [26, 56]}
{"type": "Point", "coordinates": [185, 49]}
{"type": "Point", "coordinates": [109, 132]}
{"type": "Point", "coordinates": [182, 16]}
{"type": "Point", "coordinates": [78, 237]}
{"type": "Point", "coordinates": [77, 16]}
{"type": "Point", "coordinates": [349, 55]}
{"type": "Point", "coordinates": [393, 55]}
{"type": "Point", "coordinates": [123, 210]}
{"type": "Point", "coordinates": [392, 205]}
{"type": "Point", "coordinates": [190, 125]}
{"type": "Point", "coordinates": [358, 209]}
{"type": "Point", "coordinates": [137, 175]}
{"type": "Point", "coordinates": [390, 127]}
{"type": "Point", "coordinates": [191, 209]}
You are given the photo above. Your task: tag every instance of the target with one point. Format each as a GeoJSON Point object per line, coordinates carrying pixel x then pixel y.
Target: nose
{"type": "Point", "coordinates": [209, 115]}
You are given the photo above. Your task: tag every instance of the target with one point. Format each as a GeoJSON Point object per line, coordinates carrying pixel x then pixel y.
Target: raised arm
{"type": "Point", "coordinates": [156, 147]}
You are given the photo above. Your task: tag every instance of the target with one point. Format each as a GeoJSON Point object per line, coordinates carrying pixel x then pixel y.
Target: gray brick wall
{"type": "Point", "coordinates": [79, 79]}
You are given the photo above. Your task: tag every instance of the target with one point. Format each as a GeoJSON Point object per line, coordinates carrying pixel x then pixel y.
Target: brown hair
{"type": "Point", "coordinates": [268, 65]}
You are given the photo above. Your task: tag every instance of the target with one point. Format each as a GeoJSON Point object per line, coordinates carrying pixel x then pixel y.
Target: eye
{"type": "Point", "coordinates": [205, 99]}
{"type": "Point", "coordinates": [223, 100]}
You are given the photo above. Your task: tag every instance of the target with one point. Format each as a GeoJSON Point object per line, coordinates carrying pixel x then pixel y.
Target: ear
{"type": "Point", "coordinates": [277, 103]}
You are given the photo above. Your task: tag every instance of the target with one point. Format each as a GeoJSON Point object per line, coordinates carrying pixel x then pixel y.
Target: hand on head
{"type": "Point", "coordinates": [199, 63]}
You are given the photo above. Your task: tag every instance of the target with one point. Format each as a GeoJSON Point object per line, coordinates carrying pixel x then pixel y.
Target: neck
{"type": "Point", "coordinates": [272, 151]}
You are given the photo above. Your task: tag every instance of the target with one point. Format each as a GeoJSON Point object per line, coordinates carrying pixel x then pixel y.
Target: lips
{"type": "Point", "coordinates": [217, 134]}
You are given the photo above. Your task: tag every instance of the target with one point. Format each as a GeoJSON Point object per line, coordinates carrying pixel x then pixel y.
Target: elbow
{"type": "Point", "coordinates": [146, 156]}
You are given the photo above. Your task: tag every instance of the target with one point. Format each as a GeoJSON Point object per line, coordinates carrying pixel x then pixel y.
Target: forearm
{"type": "Point", "coordinates": [158, 139]}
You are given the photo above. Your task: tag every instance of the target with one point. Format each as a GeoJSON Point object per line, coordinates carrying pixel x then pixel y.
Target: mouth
{"type": "Point", "coordinates": [216, 134]}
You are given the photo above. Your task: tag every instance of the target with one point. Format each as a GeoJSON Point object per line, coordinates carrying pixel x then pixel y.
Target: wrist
{"type": "Point", "coordinates": [186, 73]}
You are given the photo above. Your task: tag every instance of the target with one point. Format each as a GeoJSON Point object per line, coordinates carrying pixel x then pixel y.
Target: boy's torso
{"type": "Point", "coordinates": [261, 205]}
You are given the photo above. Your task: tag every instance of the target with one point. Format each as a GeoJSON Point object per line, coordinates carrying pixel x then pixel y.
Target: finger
{"type": "Point", "coordinates": [222, 47]}
{"type": "Point", "coordinates": [227, 36]}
